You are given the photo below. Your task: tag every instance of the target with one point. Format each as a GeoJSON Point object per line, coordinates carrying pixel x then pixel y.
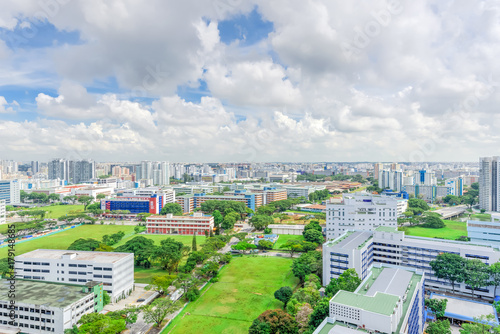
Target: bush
{"type": "Point", "coordinates": [192, 294]}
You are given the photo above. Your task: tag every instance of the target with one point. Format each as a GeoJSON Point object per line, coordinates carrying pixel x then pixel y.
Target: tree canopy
{"type": "Point", "coordinates": [173, 208]}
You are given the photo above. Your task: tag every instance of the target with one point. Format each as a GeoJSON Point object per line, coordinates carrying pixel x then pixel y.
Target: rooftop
{"type": "Point", "coordinates": [388, 229]}
{"type": "Point", "coordinates": [101, 257]}
{"type": "Point", "coordinates": [43, 293]}
{"type": "Point", "coordinates": [465, 310]}
{"type": "Point", "coordinates": [381, 303]}
{"type": "Point", "coordinates": [334, 242]}
{"type": "Point", "coordinates": [354, 240]}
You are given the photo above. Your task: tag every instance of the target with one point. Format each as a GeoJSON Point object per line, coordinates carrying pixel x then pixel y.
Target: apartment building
{"type": "Point", "coordinates": [489, 183]}
{"type": "Point", "coordinates": [10, 191]}
{"type": "Point", "coordinates": [43, 307]}
{"type": "Point", "coordinates": [196, 224]}
{"type": "Point", "coordinates": [299, 191]}
{"type": "Point", "coordinates": [360, 211]}
{"type": "Point", "coordinates": [386, 245]}
{"type": "Point", "coordinates": [114, 270]}
{"type": "Point", "coordinates": [389, 300]}
{"type": "Point", "coordinates": [186, 202]}
{"type": "Point", "coordinates": [271, 194]}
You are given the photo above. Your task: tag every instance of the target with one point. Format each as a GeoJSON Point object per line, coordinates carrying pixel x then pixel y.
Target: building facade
{"type": "Point", "coordinates": [360, 212]}
{"type": "Point", "coordinates": [114, 270]}
{"type": "Point", "coordinates": [3, 212]}
{"type": "Point", "coordinates": [197, 224]}
{"type": "Point", "coordinates": [394, 248]}
{"type": "Point", "coordinates": [10, 191]}
{"type": "Point", "coordinates": [43, 307]}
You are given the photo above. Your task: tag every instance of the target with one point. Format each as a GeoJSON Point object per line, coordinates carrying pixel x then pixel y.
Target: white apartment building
{"type": "Point", "coordinates": [360, 211]}
{"type": "Point", "coordinates": [297, 191]}
{"type": "Point", "coordinates": [386, 245]}
{"type": "Point", "coordinates": [489, 183]}
{"type": "Point", "coordinates": [3, 212]}
{"type": "Point", "coordinates": [42, 307]}
{"type": "Point", "coordinates": [114, 270]}
{"type": "Point", "coordinates": [167, 195]}
{"type": "Point", "coordinates": [392, 179]}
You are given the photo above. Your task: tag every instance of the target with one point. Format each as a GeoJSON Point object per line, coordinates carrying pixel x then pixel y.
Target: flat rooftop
{"type": "Point", "coordinates": [465, 310]}
{"type": "Point", "coordinates": [43, 293]}
{"type": "Point", "coordinates": [432, 242]}
{"type": "Point", "coordinates": [101, 257]}
{"type": "Point", "coordinates": [339, 328]}
{"type": "Point", "coordinates": [391, 281]}
{"type": "Point", "coordinates": [381, 303]}
{"type": "Point", "coordinates": [354, 240]}
{"type": "Point", "coordinates": [387, 229]}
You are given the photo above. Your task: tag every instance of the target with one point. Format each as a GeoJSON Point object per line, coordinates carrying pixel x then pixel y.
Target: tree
{"type": "Point", "coordinates": [186, 281]}
{"type": "Point", "coordinates": [141, 247]}
{"type": "Point", "coordinates": [439, 327]}
{"type": "Point", "coordinates": [283, 294]}
{"type": "Point", "coordinates": [173, 208]}
{"type": "Point", "coordinates": [292, 246]}
{"type": "Point", "coordinates": [307, 263]}
{"type": "Point", "coordinates": [161, 283]}
{"type": "Point", "coordinates": [312, 235]}
{"type": "Point", "coordinates": [348, 281]}
{"type": "Point", "coordinates": [313, 225]}
{"type": "Point", "coordinates": [259, 222]}
{"type": "Point", "coordinates": [217, 221]}
{"type": "Point", "coordinates": [418, 203]}
{"type": "Point", "coordinates": [158, 310]}
{"type": "Point", "coordinates": [85, 200]}
{"type": "Point", "coordinates": [169, 254]}
{"type": "Point", "coordinates": [494, 270]}
{"type": "Point", "coordinates": [279, 323]}
{"type": "Point", "coordinates": [265, 244]}
{"type": "Point", "coordinates": [433, 222]}
{"type": "Point", "coordinates": [319, 313]}
{"type": "Point", "coordinates": [303, 316]}
{"type": "Point", "coordinates": [266, 210]}
{"type": "Point", "coordinates": [244, 246]}
{"type": "Point", "coordinates": [229, 220]}
{"type": "Point", "coordinates": [481, 325]}
{"type": "Point", "coordinates": [129, 314]}
{"type": "Point", "coordinates": [97, 323]}
{"type": "Point", "coordinates": [106, 299]}
{"type": "Point", "coordinates": [194, 248]}
{"type": "Point", "coordinates": [476, 274]}
{"type": "Point", "coordinates": [450, 267]}
{"type": "Point", "coordinates": [437, 306]}
{"type": "Point", "coordinates": [54, 197]}
{"type": "Point", "coordinates": [100, 196]}
{"type": "Point", "coordinates": [82, 244]}
{"type": "Point", "coordinates": [104, 248]}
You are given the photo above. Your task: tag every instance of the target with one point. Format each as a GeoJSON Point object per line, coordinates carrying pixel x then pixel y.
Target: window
{"type": "Point", "coordinates": [72, 265]}
{"type": "Point", "coordinates": [72, 272]}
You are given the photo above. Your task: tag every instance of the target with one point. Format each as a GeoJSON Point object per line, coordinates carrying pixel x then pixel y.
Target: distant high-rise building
{"type": "Point", "coordinates": [376, 171]}
{"type": "Point", "coordinates": [72, 171]}
{"type": "Point", "coordinates": [35, 167]}
{"type": "Point", "coordinates": [489, 183]}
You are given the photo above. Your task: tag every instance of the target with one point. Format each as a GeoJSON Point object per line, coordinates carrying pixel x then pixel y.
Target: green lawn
{"type": "Point", "coordinates": [284, 238]}
{"type": "Point", "coordinates": [485, 217]}
{"type": "Point", "coordinates": [62, 240]}
{"type": "Point", "coordinates": [56, 211]}
{"type": "Point", "coordinates": [142, 275]}
{"type": "Point", "coordinates": [245, 290]}
{"type": "Point", "coordinates": [452, 230]}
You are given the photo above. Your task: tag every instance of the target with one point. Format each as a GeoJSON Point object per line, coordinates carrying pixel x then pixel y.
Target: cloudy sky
{"type": "Point", "coordinates": [236, 80]}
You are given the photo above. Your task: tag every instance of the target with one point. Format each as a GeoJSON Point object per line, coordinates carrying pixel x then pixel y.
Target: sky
{"type": "Point", "coordinates": [249, 81]}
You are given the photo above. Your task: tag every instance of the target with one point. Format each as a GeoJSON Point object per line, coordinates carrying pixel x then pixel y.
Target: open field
{"type": "Point", "coordinates": [485, 217]}
{"type": "Point", "coordinates": [142, 275]}
{"type": "Point", "coordinates": [284, 238]}
{"type": "Point", "coordinates": [245, 290]}
{"type": "Point", "coordinates": [56, 211]}
{"type": "Point", "coordinates": [453, 230]}
{"type": "Point", "coordinates": [63, 239]}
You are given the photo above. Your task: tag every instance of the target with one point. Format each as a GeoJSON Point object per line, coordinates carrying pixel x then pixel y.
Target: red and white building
{"type": "Point", "coordinates": [187, 225]}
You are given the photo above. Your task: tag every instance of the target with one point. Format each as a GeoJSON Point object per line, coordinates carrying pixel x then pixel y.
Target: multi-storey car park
{"type": "Point", "coordinates": [43, 307]}
{"type": "Point", "coordinates": [389, 300]}
{"type": "Point", "coordinates": [114, 270]}
{"type": "Point", "coordinates": [386, 245]}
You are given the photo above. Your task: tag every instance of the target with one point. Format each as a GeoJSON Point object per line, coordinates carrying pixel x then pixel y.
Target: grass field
{"type": "Point", "coordinates": [284, 238]}
{"type": "Point", "coordinates": [142, 275]}
{"type": "Point", "coordinates": [452, 230]}
{"type": "Point", "coordinates": [56, 211]}
{"type": "Point", "coordinates": [62, 240]}
{"type": "Point", "coordinates": [485, 217]}
{"type": "Point", "coordinates": [245, 290]}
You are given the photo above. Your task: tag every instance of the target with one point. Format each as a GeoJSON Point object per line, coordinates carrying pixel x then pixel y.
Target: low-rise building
{"type": "Point", "coordinates": [485, 232]}
{"type": "Point", "coordinates": [389, 300]}
{"type": "Point", "coordinates": [43, 307]}
{"type": "Point", "coordinates": [137, 204]}
{"type": "Point", "coordinates": [196, 224]}
{"type": "Point", "coordinates": [287, 229]}
{"type": "Point", "coordinates": [114, 270]}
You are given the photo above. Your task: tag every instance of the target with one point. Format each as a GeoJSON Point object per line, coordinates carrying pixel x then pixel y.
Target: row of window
{"type": "Point", "coordinates": [37, 263]}
{"type": "Point", "coordinates": [36, 270]}
{"type": "Point", "coordinates": [28, 309]}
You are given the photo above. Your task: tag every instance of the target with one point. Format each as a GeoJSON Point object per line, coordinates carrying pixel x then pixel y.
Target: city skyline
{"type": "Point", "coordinates": [247, 81]}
